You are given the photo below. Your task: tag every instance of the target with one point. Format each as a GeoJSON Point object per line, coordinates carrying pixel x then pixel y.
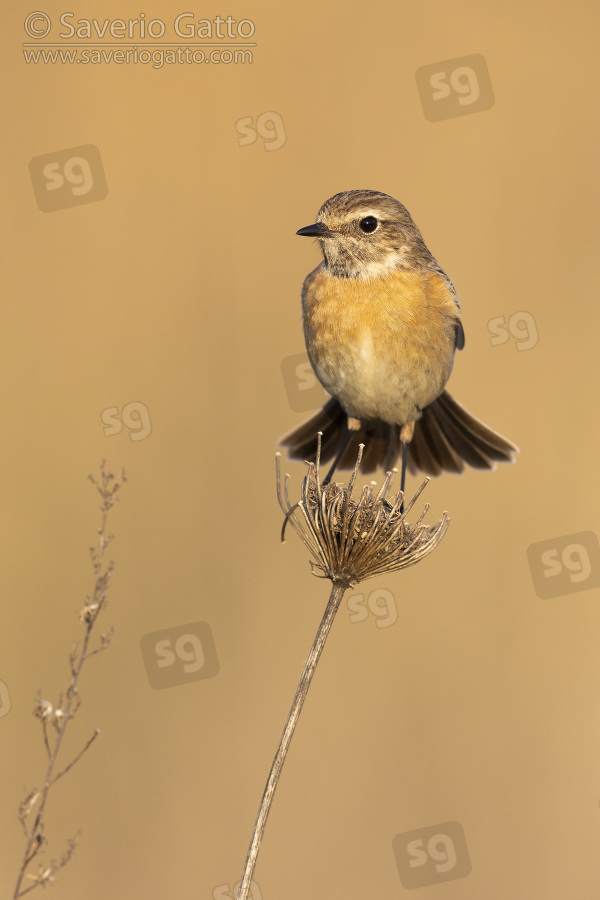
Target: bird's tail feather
{"type": "Point", "coordinates": [446, 438]}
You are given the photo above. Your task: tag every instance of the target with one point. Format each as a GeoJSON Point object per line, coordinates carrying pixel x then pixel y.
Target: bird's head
{"type": "Point", "coordinates": [366, 234]}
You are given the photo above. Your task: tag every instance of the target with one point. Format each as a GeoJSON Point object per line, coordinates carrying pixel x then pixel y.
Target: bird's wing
{"type": "Point", "coordinates": [460, 332]}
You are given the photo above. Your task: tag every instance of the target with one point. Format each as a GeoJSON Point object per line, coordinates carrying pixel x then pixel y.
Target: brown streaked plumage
{"type": "Point", "coordinates": [381, 324]}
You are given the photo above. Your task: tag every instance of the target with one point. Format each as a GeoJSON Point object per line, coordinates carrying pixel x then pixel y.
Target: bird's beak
{"type": "Point", "coordinates": [317, 230]}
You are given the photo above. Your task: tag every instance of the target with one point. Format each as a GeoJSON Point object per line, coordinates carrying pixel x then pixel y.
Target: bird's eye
{"type": "Point", "coordinates": [368, 224]}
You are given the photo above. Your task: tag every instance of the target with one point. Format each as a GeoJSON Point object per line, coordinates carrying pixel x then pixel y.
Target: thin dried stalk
{"type": "Point", "coordinates": [55, 719]}
{"type": "Point", "coordinates": [349, 540]}
{"type": "Point", "coordinates": [335, 598]}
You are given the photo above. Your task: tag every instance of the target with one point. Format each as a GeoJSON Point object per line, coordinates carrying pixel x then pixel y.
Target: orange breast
{"type": "Point", "coordinates": [384, 346]}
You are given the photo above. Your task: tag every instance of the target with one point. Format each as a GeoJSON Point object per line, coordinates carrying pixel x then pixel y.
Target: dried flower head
{"type": "Point", "coordinates": [353, 539]}
{"type": "Point", "coordinates": [44, 710]}
{"type": "Point", "coordinates": [28, 804]}
{"type": "Point", "coordinates": [45, 875]}
{"type": "Point", "coordinates": [349, 540]}
{"type": "Point", "coordinates": [49, 714]}
{"type": "Point", "coordinates": [89, 612]}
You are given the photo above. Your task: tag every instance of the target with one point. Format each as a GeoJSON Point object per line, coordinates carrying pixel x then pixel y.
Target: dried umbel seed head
{"type": "Point", "coordinates": [353, 539]}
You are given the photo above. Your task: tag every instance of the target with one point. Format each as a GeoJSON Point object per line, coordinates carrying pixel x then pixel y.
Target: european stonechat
{"type": "Point", "coordinates": [381, 324]}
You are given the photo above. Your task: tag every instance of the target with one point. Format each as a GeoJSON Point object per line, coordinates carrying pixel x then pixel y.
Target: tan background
{"type": "Point", "coordinates": [180, 290]}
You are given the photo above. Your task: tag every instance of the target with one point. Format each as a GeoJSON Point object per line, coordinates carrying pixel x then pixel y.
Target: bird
{"type": "Point", "coordinates": [382, 322]}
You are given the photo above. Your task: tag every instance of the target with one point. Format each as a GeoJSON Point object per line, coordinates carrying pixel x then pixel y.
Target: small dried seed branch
{"type": "Point", "coordinates": [55, 718]}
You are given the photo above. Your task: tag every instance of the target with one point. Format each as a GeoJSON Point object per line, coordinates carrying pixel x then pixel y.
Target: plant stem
{"type": "Point", "coordinates": [36, 837]}
{"type": "Point", "coordinates": [337, 592]}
